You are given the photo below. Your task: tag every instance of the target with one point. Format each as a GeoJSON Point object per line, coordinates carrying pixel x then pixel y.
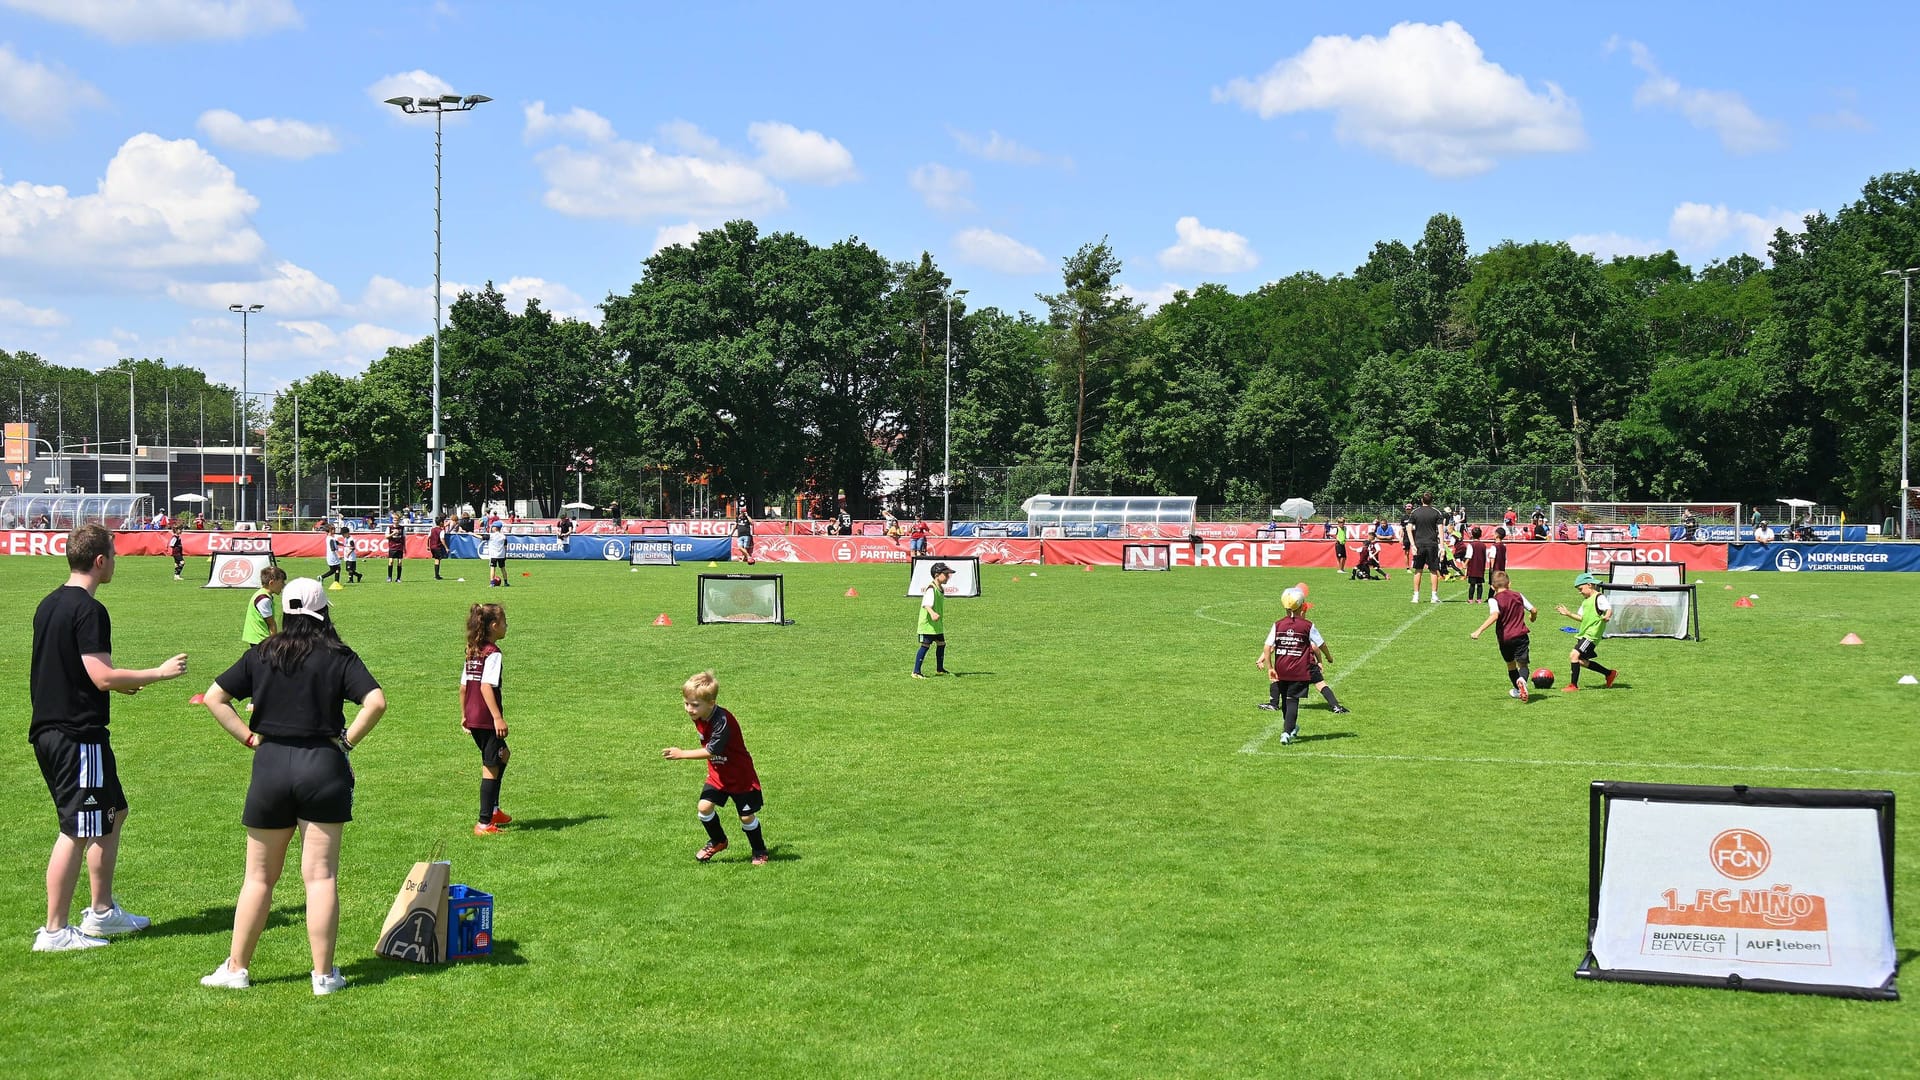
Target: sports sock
{"type": "Point", "coordinates": [399, 572]}
{"type": "Point", "coordinates": [1290, 714]}
{"type": "Point", "coordinates": [714, 832]}
{"type": "Point", "coordinates": [1600, 669]}
{"type": "Point", "coordinates": [1573, 678]}
{"type": "Point", "coordinates": [919, 658]}
{"type": "Point", "coordinates": [1273, 694]}
{"type": "Point", "coordinates": [1327, 692]}
{"type": "Point", "coordinates": [940, 657]}
{"type": "Point", "coordinates": [489, 799]}
{"type": "Point", "coordinates": [758, 842]}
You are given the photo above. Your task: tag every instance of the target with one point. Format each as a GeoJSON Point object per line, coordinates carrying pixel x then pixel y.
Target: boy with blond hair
{"type": "Point", "coordinates": [730, 773]}
{"type": "Point", "coordinates": [1512, 612]}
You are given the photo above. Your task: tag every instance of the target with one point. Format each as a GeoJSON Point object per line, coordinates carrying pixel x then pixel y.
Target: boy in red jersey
{"type": "Point", "coordinates": [1289, 656]}
{"type": "Point", "coordinates": [730, 772]}
{"type": "Point", "coordinates": [1475, 557]}
{"type": "Point", "coordinates": [1513, 613]}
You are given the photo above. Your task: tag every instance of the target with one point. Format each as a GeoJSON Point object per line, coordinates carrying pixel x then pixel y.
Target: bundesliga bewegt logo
{"type": "Point", "coordinates": [1740, 854]}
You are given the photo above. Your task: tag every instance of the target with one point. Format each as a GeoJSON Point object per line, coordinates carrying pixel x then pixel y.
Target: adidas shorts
{"type": "Point", "coordinates": [745, 802]}
{"type": "Point", "coordinates": [1586, 647]}
{"type": "Point", "coordinates": [298, 781]}
{"type": "Point", "coordinates": [493, 748]}
{"type": "Point", "coordinates": [84, 782]}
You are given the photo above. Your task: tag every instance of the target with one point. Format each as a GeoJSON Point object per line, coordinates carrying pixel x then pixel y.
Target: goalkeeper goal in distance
{"type": "Point", "coordinates": [1608, 521]}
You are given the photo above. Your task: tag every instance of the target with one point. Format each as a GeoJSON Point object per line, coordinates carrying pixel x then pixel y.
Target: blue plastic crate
{"type": "Point", "coordinates": [469, 923]}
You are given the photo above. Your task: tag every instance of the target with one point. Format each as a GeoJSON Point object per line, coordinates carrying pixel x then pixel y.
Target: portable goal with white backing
{"type": "Point", "coordinates": [1652, 611]}
{"type": "Point", "coordinates": [964, 582]}
{"type": "Point", "coordinates": [1612, 521]}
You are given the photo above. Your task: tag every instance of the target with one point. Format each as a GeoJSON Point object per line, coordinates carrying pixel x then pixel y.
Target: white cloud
{"type": "Point", "coordinates": [291, 292]}
{"type": "Point", "coordinates": [685, 136]}
{"type": "Point", "coordinates": [163, 205]}
{"type": "Point", "coordinates": [1711, 229]}
{"type": "Point", "coordinates": [942, 188]}
{"type": "Point", "coordinates": [354, 348]}
{"type": "Point", "coordinates": [1604, 246]}
{"type": "Point", "coordinates": [125, 21]}
{"type": "Point", "coordinates": [996, 147]}
{"type": "Point", "coordinates": [806, 157]}
{"type": "Point", "coordinates": [585, 123]}
{"type": "Point", "coordinates": [1208, 251]}
{"type": "Point", "coordinates": [616, 178]}
{"type": "Point", "coordinates": [387, 300]}
{"type": "Point", "coordinates": [1722, 112]}
{"type": "Point", "coordinates": [1424, 95]}
{"type": "Point", "coordinates": [295, 140]}
{"type": "Point", "coordinates": [1151, 299]}
{"type": "Point", "coordinates": [15, 313]}
{"type": "Point", "coordinates": [667, 236]}
{"type": "Point", "coordinates": [554, 297]}
{"type": "Point", "coordinates": [38, 97]}
{"type": "Point", "coordinates": [995, 251]}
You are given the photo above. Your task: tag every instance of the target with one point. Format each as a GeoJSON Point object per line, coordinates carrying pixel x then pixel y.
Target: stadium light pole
{"type": "Point", "coordinates": [1906, 344]}
{"type": "Point", "coordinates": [128, 372]}
{"type": "Point", "coordinates": [245, 310]}
{"type": "Point", "coordinates": [946, 454]}
{"type": "Point", "coordinates": [439, 107]}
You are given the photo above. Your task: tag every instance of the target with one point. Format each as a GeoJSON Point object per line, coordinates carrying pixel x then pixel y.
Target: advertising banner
{"type": "Point", "coordinates": [1145, 557]}
{"type": "Point", "coordinates": [591, 548]}
{"type": "Point", "coordinates": [1793, 558]}
{"type": "Point", "coordinates": [1826, 534]}
{"type": "Point", "coordinates": [284, 545]}
{"type": "Point", "coordinates": [1756, 888]}
{"type": "Point", "coordinates": [882, 549]}
{"type": "Point", "coordinates": [1573, 555]}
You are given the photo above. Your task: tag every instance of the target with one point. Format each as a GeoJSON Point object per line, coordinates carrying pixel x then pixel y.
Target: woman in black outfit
{"type": "Point", "coordinates": [298, 680]}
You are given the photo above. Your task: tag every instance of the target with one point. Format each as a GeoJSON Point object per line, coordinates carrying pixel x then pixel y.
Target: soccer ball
{"type": "Point", "coordinates": [1293, 599]}
{"type": "Point", "coordinates": [1543, 678]}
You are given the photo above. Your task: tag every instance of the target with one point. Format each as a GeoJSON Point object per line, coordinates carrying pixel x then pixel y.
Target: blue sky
{"type": "Point", "coordinates": [161, 159]}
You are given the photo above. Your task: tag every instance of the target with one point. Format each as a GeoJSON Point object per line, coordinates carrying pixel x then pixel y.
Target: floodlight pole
{"type": "Point", "coordinates": [1906, 344]}
{"type": "Point", "coordinates": [245, 310]}
{"type": "Point", "coordinates": [439, 107]}
{"type": "Point", "coordinates": [946, 456]}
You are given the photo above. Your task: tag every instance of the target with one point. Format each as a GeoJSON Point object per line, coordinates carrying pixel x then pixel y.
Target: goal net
{"type": "Point", "coordinates": [1656, 611]}
{"type": "Point", "coordinates": [742, 598]}
{"type": "Point", "coordinates": [1619, 521]}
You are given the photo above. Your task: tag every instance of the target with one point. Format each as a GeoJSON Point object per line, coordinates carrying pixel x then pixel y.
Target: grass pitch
{"type": "Point", "coordinates": [1088, 855]}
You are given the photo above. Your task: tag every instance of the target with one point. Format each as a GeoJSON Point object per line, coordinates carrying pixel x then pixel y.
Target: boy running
{"type": "Point", "coordinates": [333, 556]}
{"type": "Point", "coordinates": [349, 555]}
{"type": "Point", "coordinates": [1512, 612]}
{"type": "Point", "coordinates": [1288, 657]}
{"type": "Point", "coordinates": [1320, 654]}
{"type": "Point", "coordinates": [1595, 610]}
{"type": "Point", "coordinates": [259, 624]}
{"type": "Point", "coordinates": [730, 773]}
{"type": "Point", "coordinates": [933, 608]}
{"type": "Point", "coordinates": [177, 548]}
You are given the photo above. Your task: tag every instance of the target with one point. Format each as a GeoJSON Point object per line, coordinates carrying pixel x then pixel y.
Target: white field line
{"type": "Point", "coordinates": [1254, 744]}
{"type": "Point", "coordinates": [1541, 763]}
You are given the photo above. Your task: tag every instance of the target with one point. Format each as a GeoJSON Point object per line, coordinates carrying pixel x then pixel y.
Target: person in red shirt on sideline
{"type": "Point", "coordinates": [1513, 613]}
{"type": "Point", "coordinates": [730, 772]}
{"type": "Point", "coordinates": [918, 535]}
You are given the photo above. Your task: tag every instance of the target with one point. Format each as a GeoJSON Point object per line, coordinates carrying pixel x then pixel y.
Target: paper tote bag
{"type": "Point", "coordinates": [416, 926]}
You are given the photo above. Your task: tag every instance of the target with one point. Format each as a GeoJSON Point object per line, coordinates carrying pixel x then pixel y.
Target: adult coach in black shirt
{"type": "Point", "coordinates": [1426, 546]}
{"type": "Point", "coordinates": [72, 670]}
{"type": "Point", "coordinates": [298, 679]}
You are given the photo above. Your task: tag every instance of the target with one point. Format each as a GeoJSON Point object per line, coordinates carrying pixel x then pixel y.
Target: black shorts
{"type": "Point", "coordinates": [1339, 551]}
{"type": "Point", "coordinates": [396, 552]}
{"type": "Point", "coordinates": [933, 639]}
{"type": "Point", "coordinates": [1515, 651]}
{"type": "Point", "coordinates": [437, 552]}
{"type": "Point", "coordinates": [497, 564]}
{"type": "Point", "coordinates": [493, 748]}
{"type": "Point", "coordinates": [308, 780]}
{"type": "Point", "coordinates": [1585, 647]}
{"type": "Point", "coordinates": [1427, 557]}
{"type": "Point", "coordinates": [84, 782]}
{"type": "Point", "coordinates": [1314, 674]}
{"type": "Point", "coordinates": [744, 802]}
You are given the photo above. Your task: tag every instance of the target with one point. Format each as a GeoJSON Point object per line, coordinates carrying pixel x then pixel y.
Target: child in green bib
{"type": "Point", "coordinates": [259, 624]}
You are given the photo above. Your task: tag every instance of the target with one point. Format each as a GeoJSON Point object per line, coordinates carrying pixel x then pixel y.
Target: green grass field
{"type": "Point", "coordinates": [1087, 856]}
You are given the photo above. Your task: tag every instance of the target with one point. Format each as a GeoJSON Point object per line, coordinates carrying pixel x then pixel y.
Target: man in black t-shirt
{"type": "Point", "coordinates": [72, 671]}
{"type": "Point", "coordinates": [1425, 530]}
{"type": "Point", "coordinates": [743, 533]}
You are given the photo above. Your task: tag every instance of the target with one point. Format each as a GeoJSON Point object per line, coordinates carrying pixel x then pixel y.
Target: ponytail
{"type": "Point", "coordinates": [481, 619]}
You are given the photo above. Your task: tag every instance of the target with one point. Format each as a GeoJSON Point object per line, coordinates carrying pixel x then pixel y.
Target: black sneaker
{"type": "Point", "coordinates": [1341, 709]}
{"type": "Point", "coordinates": [1269, 706]}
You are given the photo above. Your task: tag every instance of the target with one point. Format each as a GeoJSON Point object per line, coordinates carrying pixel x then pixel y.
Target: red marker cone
{"type": "Point", "coordinates": [663, 620]}
{"type": "Point", "coordinates": [853, 592]}
{"type": "Point", "coordinates": [526, 573]}
{"type": "Point", "coordinates": [1016, 577]}
{"type": "Point", "coordinates": [197, 699]}
{"type": "Point", "coordinates": [1088, 568]}
{"type": "Point", "coordinates": [1743, 602]}
{"type": "Point", "coordinates": [1852, 639]}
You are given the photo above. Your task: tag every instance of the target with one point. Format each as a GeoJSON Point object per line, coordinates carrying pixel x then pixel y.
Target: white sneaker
{"type": "Point", "coordinates": [1436, 598]}
{"type": "Point", "coordinates": [331, 983]}
{"type": "Point", "coordinates": [226, 978]}
{"type": "Point", "coordinates": [1416, 596]}
{"type": "Point", "coordinates": [1286, 737]}
{"type": "Point", "coordinates": [115, 920]}
{"type": "Point", "coordinates": [1514, 693]}
{"type": "Point", "coordinates": [65, 939]}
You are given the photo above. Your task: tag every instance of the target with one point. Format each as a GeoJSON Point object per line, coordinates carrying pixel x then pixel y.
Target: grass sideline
{"type": "Point", "coordinates": [1060, 863]}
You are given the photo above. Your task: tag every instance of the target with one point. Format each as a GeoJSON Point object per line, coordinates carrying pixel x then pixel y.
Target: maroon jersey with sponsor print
{"type": "Point", "coordinates": [1476, 559]}
{"type": "Point", "coordinates": [1499, 555]}
{"type": "Point", "coordinates": [1292, 649]}
{"type": "Point", "coordinates": [485, 668]}
{"type": "Point", "coordinates": [1511, 608]}
{"type": "Point", "coordinates": [731, 767]}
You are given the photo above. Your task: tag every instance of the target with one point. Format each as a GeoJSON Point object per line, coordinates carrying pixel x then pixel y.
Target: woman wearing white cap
{"type": "Point", "coordinates": [298, 680]}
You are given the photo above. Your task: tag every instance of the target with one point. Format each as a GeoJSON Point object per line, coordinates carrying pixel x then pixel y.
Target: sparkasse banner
{"type": "Point", "coordinates": [1775, 889]}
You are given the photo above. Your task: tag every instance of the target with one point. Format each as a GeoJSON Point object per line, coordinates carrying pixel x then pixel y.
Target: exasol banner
{"type": "Point", "coordinates": [1786, 888]}
{"type": "Point", "coordinates": [1793, 558]}
{"type": "Point", "coordinates": [607, 548]}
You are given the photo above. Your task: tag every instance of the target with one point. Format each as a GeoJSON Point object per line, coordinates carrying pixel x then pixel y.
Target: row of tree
{"type": "Point", "coordinates": [768, 366]}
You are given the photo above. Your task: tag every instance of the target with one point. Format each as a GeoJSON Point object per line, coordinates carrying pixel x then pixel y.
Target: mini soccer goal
{"type": "Point", "coordinates": [964, 582]}
{"type": "Point", "coordinates": [231, 570]}
{"type": "Point", "coordinates": [743, 598]}
{"type": "Point", "coordinates": [1652, 611]}
{"type": "Point", "coordinates": [1615, 521]}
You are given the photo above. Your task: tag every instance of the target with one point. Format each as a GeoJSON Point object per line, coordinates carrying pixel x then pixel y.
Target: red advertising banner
{"type": "Point", "coordinates": [285, 545]}
{"type": "Point", "coordinates": [881, 549]}
{"type": "Point", "coordinates": [711, 527]}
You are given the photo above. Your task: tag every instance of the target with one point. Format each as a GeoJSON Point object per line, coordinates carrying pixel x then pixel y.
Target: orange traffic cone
{"type": "Point", "coordinates": [853, 592]}
{"type": "Point", "coordinates": [663, 620]}
{"type": "Point", "coordinates": [1852, 639]}
{"type": "Point", "coordinates": [197, 699]}
{"type": "Point", "coordinates": [1088, 568]}
{"type": "Point", "coordinates": [1743, 602]}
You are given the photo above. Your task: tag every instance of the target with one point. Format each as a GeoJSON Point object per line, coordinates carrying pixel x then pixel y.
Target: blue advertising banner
{"type": "Point", "coordinates": [592, 548]}
{"type": "Point", "coordinates": [1826, 534]}
{"type": "Point", "coordinates": [1796, 557]}
{"type": "Point", "coordinates": [989, 528]}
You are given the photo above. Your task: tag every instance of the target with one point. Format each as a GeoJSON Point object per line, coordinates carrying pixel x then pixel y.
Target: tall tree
{"type": "Point", "coordinates": [1092, 323]}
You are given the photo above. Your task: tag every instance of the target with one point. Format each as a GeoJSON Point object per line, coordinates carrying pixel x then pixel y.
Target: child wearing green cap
{"type": "Point", "coordinates": [1594, 612]}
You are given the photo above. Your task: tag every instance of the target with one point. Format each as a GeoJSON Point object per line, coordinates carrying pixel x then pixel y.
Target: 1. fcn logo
{"type": "Point", "coordinates": [1740, 854]}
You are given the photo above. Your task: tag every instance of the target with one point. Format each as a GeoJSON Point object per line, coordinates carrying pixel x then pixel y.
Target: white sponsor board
{"type": "Point", "coordinates": [649, 553]}
{"type": "Point", "coordinates": [235, 571]}
{"type": "Point", "coordinates": [1146, 557]}
{"type": "Point", "coordinates": [1731, 892]}
{"type": "Point", "coordinates": [1226, 553]}
{"type": "Point", "coordinates": [964, 582]}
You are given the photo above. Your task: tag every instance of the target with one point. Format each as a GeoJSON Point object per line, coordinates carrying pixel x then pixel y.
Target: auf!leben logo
{"type": "Point", "coordinates": [1740, 854]}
